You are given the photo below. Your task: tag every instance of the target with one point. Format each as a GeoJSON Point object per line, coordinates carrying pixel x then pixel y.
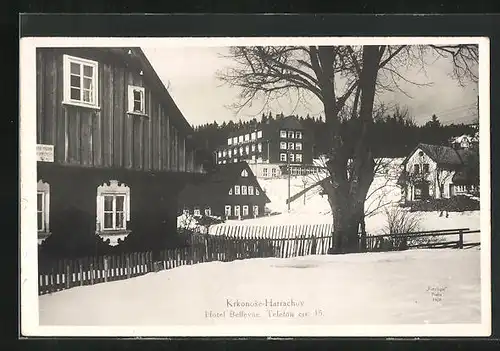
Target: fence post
{"type": "Point", "coordinates": [127, 260]}
{"type": "Point", "coordinates": [313, 245]}
{"type": "Point", "coordinates": [91, 273]}
{"type": "Point", "coordinates": [81, 272]}
{"type": "Point", "coordinates": [105, 268]}
{"type": "Point", "coordinates": [461, 239]}
{"type": "Point", "coordinates": [66, 278]}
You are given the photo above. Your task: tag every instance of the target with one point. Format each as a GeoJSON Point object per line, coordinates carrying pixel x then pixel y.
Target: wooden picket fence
{"type": "Point", "coordinates": [236, 244]}
{"type": "Point", "coordinates": [274, 231]}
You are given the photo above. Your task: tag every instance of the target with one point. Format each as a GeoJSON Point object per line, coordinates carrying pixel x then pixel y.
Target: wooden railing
{"type": "Point", "coordinates": [65, 274]}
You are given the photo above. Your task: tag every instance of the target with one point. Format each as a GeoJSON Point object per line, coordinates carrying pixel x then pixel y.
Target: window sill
{"type": "Point", "coordinates": [43, 234]}
{"type": "Point", "coordinates": [138, 114]}
{"type": "Point", "coordinates": [78, 104]}
{"type": "Point", "coordinates": [113, 232]}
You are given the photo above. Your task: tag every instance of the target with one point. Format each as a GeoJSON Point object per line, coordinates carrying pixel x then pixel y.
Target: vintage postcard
{"type": "Point", "coordinates": [255, 186]}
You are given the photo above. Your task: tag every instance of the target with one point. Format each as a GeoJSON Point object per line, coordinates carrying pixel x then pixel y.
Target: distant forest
{"type": "Point", "coordinates": [393, 134]}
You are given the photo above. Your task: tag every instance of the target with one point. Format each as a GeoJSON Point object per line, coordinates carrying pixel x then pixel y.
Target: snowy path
{"type": "Point", "coordinates": [376, 288]}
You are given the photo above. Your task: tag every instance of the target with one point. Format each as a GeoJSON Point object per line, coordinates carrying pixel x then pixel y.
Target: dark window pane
{"type": "Point", "coordinates": [87, 96]}
{"type": "Point", "coordinates": [119, 220]}
{"type": "Point", "coordinates": [108, 203]}
{"type": "Point", "coordinates": [39, 202]}
{"type": "Point", "coordinates": [75, 68]}
{"type": "Point", "coordinates": [137, 95]}
{"type": "Point", "coordinates": [75, 81]}
{"type": "Point", "coordinates": [88, 71]}
{"type": "Point", "coordinates": [108, 221]}
{"type": "Point", "coordinates": [87, 83]}
{"type": "Point", "coordinates": [40, 221]}
{"type": "Point", "coordinates": [137, 106]}
{"type": "Point", "coordinates": [119, 203]}
{"type": "Point", "coordinates": [75, 94]}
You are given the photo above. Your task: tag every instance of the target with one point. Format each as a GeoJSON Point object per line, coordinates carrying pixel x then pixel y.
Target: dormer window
{"type": "Point", "coordinates": [282, 133]}
{"type": "Point", "coordinates": [80, 81]}
{"type": "Point", "coordinates": [136, 100]}
{"type": "Point", "coordinates": [298, 135]}
{"type": "Point", "coordinates": [244, 173]}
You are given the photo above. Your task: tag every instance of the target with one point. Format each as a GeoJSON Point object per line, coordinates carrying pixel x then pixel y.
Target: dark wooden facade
{"type": "Point", "coordinates": [152, 152]}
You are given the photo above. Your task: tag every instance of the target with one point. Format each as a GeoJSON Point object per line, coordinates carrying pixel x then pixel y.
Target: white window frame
{"type": "Point", "coordinates": [298, 135]}
{"type": "Point", "coordinates": [229, 153]}
{"type": "Point", "coordinates": [291, 146]}
{"type": "Point", "coordinates": [250, 190]}
{"type": "Point", "coordinates": [253, 136]}
{"type": "Point", "coordinates": [224, 153]}
{"type": "Point", "coordinates": [237, 212]}
{"type": "Point", "coordinates": [227, 210]}
{"type": "Point", "coordinates": [236, 190]}
{"type": "Point", "coordinates": [283, 145]}
{"type": "Point", "coordinates": [208, 211]}
{"type": "Point", "coordinates": [230, 191]}
{"type": "Point", "coordinates": [196, 211]}
{"type": "Point", "coordinates": [247, 137]}
{"type": "Point", "coordinates": [220, 154]}
{"type": "Point", "coordinates": [142, 91]}
{"type": "Point", "coordinates": [257, 192]}
{"type": "Point", "coordinates": [247, 149]}
{"type": "Point", "coordinates": [245, 210]}
{"type": "Point", "coordinates": [282, 133]}
{"type": "Point", "coordinates": [241, 150]}
{"type": "Point", "coordinates": [243, 190]}
{"type": "Point", "coordinates": [114, 188]}
{"type": "Point", "coordinates": [43, 188]}
{"type": "Point", "coordinates": [253, 147]}
{"type": "Point", "coordinates": [241, 139]}
{"type": "Point", "coordinates": [223, 161]}
{"type": "Point", "coordinates": [283, 157]}
{"type": "Point", "coordinates": [235, 140]}
{"type": "Point", "coordinates": [94, 91]}
{"type": "Point", "coordinates": [229, 141]}
{"type": "Point", "coordinates": [244, 173]}
{"type": "Point", "coordinates": [298, 157]}
{"type": "Point", "coordinates": [291, 134]}
{"type": "Point", "coordinates": [298, 146]}
{"type": "Point", "coordinates": [292, 157]}
{"type": "Point", "coordinates": [273, 172]}
{"type": "Point", "coordinates": [253, 158]}
{"type": "Point", "coordinates": [259, 134]}
{"type": "Point", "coordinates": [259, 147]}
{"type": "Point", "coordinates": [264, 172]}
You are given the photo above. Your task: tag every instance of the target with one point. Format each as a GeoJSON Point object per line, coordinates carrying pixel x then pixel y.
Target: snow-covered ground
{"type": "Point", "coordinates": [410, 287]}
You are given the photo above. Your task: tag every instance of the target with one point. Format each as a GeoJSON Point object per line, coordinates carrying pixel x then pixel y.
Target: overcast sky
{"type": "Point", "coordinates": [190, 75]}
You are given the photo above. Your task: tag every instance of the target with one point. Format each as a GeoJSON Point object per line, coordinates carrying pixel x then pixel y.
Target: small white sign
{"type": "Point", "coordinates": [45, 153]}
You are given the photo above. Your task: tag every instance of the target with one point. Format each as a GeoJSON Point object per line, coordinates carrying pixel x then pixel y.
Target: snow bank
{"type": "Point", "coordinates": [415, 287]}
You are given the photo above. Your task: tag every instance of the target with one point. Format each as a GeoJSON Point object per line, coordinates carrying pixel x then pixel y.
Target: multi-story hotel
{"type": "Point", "coordinates": [270, 147]}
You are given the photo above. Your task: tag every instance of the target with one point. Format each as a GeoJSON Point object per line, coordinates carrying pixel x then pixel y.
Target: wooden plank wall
{"type": "Point", "coordinates": [108, 136]}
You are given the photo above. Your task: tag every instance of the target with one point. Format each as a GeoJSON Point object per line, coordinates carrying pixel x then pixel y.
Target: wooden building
{"type": "Point", "coordinates": [231, 191]}
{"type": "Point", "coordinates": [113, 149]}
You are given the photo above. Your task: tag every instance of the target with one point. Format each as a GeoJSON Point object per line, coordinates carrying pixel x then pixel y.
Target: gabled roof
{"type": "Point", "coordinates": [218, 183]}
{"type": "Point", "coordinates": [444, 156]}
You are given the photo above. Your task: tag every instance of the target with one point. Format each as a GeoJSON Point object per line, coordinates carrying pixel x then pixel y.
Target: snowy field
{"type": "Point", "coordinates": [410, 287]}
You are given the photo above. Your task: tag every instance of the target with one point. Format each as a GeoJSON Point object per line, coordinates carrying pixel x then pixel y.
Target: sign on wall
{"type": "Point", "coordinates": [45, 153]}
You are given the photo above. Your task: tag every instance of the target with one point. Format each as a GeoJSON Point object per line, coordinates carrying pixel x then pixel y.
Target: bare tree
{"type": "Point", "coordinates": [343, 78]}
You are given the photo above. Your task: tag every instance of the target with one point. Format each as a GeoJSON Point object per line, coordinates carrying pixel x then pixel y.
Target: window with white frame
{"type": "Point", "coordinates": [247, 137]}
{"type": "Point", "coordinates": [259, 147]}
{"type": "Point", "coordinates": [113, 206]}
{"type": "Point", "coordinates": [43, 206]}
{"type": "Point", "coordinates": [298, 135]}
{"type": "Point", "coordinates": [291, 134]}
{"type": "Point", "coordinates": [224, 161]}
{"type": "Point", "coordinates": [136, 100]}
{"type": "Point", "coordinates": [80, 81]}
{"type": "Point", "coordinates": [231, 191]}
{"type": "Point", "coordinates": [291, 146]}
{"type": "Point", "coordinates": [235, 140]}
{"type": "Point", "coordinates": [243, 190]}
{"type": "Point", "coordinates": [197, 211]}
{"type": "Point", "coordinates": [282, 145]}
{"type": "Point", "coordinates": [282, 133]}
{"type": "Point", "coordinates": [250, 190]}
{"type": "Point", "coordinates": [259, 134]}
{"type": "Point", "coordinates": [220, 153]}
{"type": "Point", "coordinates": [244, 173]}
{"type": "Point", "coordinates": [255, 210]}
{"type": "Point", "coordinates": [253, 136]}
{"type": "Point", "coordinates": [257, 192]}
{"type": "Point", "coordinates": [283, 157]}
{"type": "Point", "coordinates": [224, 153]}
{"type": "Point", "coordinates": [219, 162]}
{"type": "Point", "coordinates": [229, 153]}
{"type": "Point", "coordinates": [229, 141]}
{"type": "Point", "coordinates": [236, 190]}
{"type": "Point", "coordinates": [273, 172]}
{"type": "Point", "coordinates": [235, 160]}
{"type": "Point", "coordinates": [241, 150]}
{"type": "Point", "coordinates": [292, 157]}
{"type": "Point", "coordinates": [247, 149]}
{"type": "Point", "coordinates": [298, 157]}
{"type": "Point", "coordinates": [264, 172]}
{"type": "Point", "coordinates": [253, 147]}
{"type": "Point", "coordinates": [208, 211]}
{"type": "Point", "coordinates": [227, 210]}
{"type": "Point", "coordinates": [237, 210]}
{"type": "Point", "coordinates": [235, 151]}
{"type": "Point", "coordinates": [253, 158]}
{"type": "Point", "coordinates": [245, 210]}
{"type": "Point", "coordinates": [298, 146]}
{"type": "Point", "coordinates": [240, 139]}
